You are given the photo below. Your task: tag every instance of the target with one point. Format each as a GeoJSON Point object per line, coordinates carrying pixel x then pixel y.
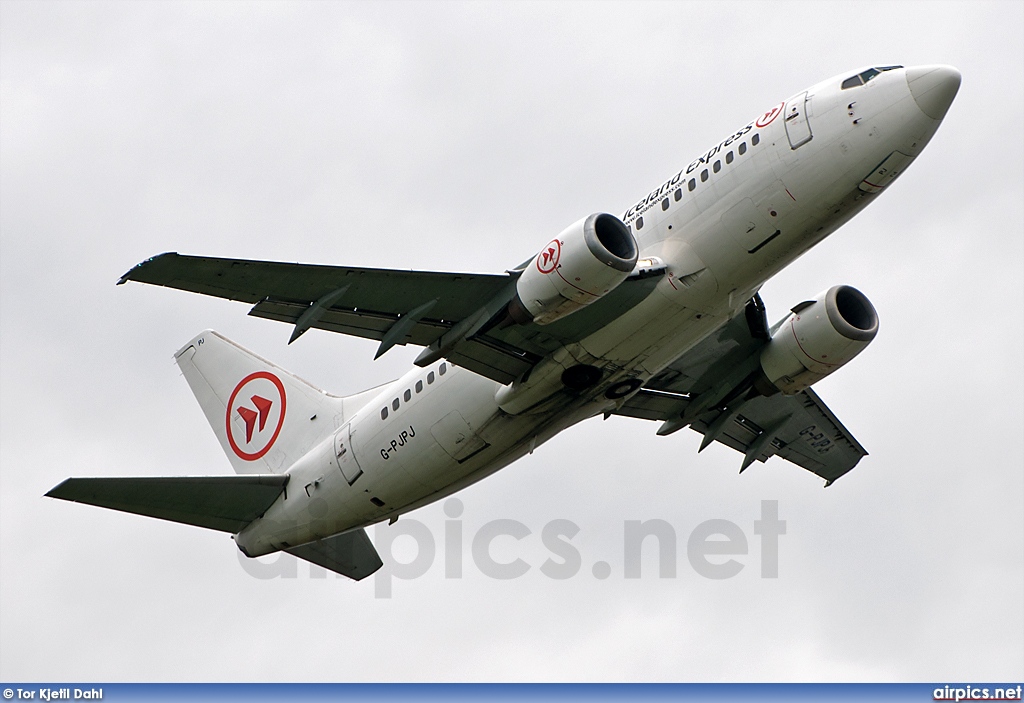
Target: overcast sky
{"type": "Point", "coordinates": [462, 137]}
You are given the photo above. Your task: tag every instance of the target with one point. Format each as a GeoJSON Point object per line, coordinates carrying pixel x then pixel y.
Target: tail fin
{"type": "Point", "coordinates": [265, 418]}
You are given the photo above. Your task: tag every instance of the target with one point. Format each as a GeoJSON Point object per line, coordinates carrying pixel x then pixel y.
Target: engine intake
{"type": "Point", "coordinates": [586, 261]}
{"type": "Point", "coordinates": [818, 337]}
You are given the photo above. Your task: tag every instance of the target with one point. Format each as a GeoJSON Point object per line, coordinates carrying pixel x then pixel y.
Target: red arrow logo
{"type": "Point", "coordinates": [249, 416]}
{"type": "Point", "coordinates": [263, 415]}
{"type": "Point", "coordinates": [547, 261]}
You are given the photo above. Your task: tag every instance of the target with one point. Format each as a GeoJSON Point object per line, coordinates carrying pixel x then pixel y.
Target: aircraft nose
{"type": "Point", "coordinates": [933, 88]}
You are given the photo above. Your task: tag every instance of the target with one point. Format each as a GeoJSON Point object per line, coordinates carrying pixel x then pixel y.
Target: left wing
{"type": "Point", "coordinates": [455, 315]}
{"type": "Point", "coordinates": [363, 302]}
{"type": "Point", "coordinates": [708, 389]}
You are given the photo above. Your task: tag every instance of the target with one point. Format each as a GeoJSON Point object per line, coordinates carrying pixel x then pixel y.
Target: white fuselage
{"type": "Point", "coordinates": [758, 207]}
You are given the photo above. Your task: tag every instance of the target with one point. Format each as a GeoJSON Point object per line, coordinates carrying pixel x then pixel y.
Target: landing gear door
{"type": "Point", "coordinates": [344, 455]}
{"type": "Point", "coordinates": [798, 129]}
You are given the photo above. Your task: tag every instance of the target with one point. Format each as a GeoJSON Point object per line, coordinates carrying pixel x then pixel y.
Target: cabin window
{"type": "Point", "coordinates": [443, 370]}
{"type": "Point", "coordinates": [419, 386]}
{"type": "Point", "coordinates": [703, 175]}
{"type": "Point", "coordinates": [664, 204]}
{"type": "Point", "coordinates": [430, 378]}
{"type": "Point", "coordinates": [408, 395]}
{"type": "Point", "coordinates": [692, 184]}
{"type": "Point", "coordinates": [743, 148]}
{"type": "Point", "coordinates": [729, 157]}
{"type": "Point", "coordinates": [718, 166]}
{"type": "Point", "coordinates": [678, 195]}
{"type": "Point", "coordinates": [755, 140]}
{"type": "Point", "coordinates": [639, 223]}
{"type": "Point", "coordinates": [394, 404]}
{"type": "Point", "coordinates": [384, 413]}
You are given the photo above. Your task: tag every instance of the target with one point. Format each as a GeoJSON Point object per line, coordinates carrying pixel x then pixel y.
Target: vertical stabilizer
{"type": "Point", "coordinates": [265, 418]}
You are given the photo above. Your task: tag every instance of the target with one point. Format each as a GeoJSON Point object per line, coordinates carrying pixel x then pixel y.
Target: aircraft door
{"type": "Point", "coordinates": [798, 129]}
{"type": "Point", "coordinates": [344, 455]}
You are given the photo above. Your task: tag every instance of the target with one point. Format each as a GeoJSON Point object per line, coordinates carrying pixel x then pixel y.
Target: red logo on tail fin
{"type": "Point", "coordinates": [261, 418]}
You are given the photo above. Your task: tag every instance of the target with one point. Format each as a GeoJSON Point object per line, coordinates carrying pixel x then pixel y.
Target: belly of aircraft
{"type": "Point", "coordinates": [718, 258]}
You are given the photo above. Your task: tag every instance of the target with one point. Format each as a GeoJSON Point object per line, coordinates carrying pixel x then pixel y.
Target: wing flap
{"type": "Point", "coordinates": [357, 322]}
{"type": "Point", "coordinates": [223, 503]}
{"type": "Point", "coordinates": [653, 405]}
{"type": "Point", "coordinates": [351, 554]}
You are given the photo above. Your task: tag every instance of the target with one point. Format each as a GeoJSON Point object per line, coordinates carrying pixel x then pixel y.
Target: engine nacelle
{"type": "Point", "coordinates": [586, 261]}
{"type": "Point", "coordinates": [817, 338]}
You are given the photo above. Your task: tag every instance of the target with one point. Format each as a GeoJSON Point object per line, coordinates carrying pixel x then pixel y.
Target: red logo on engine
{"type": "Point", "coordinates": [255, 415]}
{"type": "Point", "coordinates": [769, 117]}
{"type": "Point", "coordinates": [547, 259]}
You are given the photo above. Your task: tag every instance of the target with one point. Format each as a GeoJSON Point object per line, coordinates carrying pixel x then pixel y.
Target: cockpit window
{"type": "Point", "coordinates": [864, 77]}
{"type": "Point", "coordinates": [869, 74]}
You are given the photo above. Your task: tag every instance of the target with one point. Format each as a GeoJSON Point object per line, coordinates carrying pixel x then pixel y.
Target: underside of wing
{"type": "Point", "coordinates": [798, 428]}
{"type": "Point", "coordinates": [394, 306]}
{"type": "Point", "coordinates": [224, 503]}
{"type": "Point", "coordinates": [709, 389]}
{"type": "Point", "coordinates": [373, 299]}
{"type": "Point", "coordinates": [388, 305]}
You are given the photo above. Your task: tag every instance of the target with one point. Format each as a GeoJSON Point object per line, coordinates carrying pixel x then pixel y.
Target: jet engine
{"type": "Point", "coordinates": [586, 261]}
{"type": "Point", "coordinates": [817, 338]}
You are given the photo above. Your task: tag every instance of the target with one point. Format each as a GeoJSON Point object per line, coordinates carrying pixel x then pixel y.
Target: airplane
{"type": "Point", "coordinates": [654, 314]}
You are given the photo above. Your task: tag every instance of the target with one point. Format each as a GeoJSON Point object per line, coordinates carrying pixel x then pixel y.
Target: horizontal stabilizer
{"type": "Point", "coordinates": [224, 503]}
{"type": "Point", "coordinates": [351, 554]}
